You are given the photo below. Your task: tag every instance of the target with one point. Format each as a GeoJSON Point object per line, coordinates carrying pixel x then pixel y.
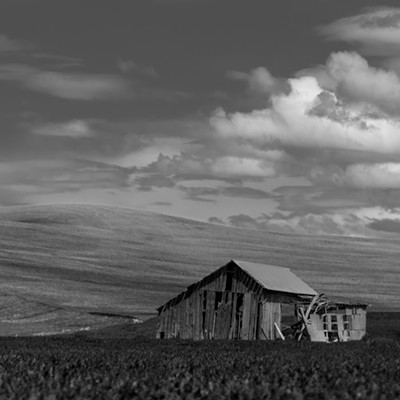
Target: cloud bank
{"type": "Point", "coordinates": [377, 31]}
{"type": "Point", "coordinates": [355, 120]}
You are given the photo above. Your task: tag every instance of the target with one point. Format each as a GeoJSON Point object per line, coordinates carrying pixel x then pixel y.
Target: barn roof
{"type": "Point", "coordinates": [274, 278]}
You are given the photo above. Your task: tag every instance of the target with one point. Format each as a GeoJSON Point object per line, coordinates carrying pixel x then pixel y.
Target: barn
{"type": "Point", "coordinates": [245, 300]}
{"type": "Point", "coordinates": [240, 300]}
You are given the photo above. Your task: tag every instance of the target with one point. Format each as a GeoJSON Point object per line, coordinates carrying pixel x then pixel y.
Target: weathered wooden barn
{"type": "Point", "coordinates": [241, 300]}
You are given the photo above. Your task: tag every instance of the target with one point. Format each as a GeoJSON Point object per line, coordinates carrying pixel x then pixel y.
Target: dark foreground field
{"type": "Point", "coordinates": [124, 363]}
{"type": "Point", "coordinates": [83, 368]}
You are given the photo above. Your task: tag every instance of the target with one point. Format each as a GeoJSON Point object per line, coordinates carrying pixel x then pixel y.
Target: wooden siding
{"type": "Point", "coordinates": [231, 305]}
{"type": "Point", "coordinates": [343, 324]}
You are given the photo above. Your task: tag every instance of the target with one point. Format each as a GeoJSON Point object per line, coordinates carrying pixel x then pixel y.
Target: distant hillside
{"type": "Point", "coordinates": [65, 268]}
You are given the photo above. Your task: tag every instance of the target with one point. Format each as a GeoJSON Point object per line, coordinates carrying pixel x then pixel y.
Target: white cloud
{"type": "Point", "coordinates": [320, 73]}
{"type": "Point", "coordinates": [291, 122]}
{"type": "Point", "coordinates": [358, 176]}
{"type": "Point", "coordinates": [375, 176]}
{"type": "Point", "coordinates": [361, 82]}
{"type": "Point", "coordinates": [72, 129]}
{"type": "Point", "coordinates": [168, 146]}
{"type": "Point", "coordinates": [377, 30]}
{"type": "Point", "coordinates": [186, 166]}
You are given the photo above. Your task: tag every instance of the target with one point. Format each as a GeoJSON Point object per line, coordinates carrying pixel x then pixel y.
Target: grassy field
{"type": "Point", "coordinates": [75, 267]}
{"type": "Point", "coordinates": [124, 362]}
{"type": "Point", "coordinates": [84, 368]}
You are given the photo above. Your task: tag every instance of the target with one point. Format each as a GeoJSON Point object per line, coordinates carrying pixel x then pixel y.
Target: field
{"type": "Point", "coordinates": [84, 368]}
{"type": "Point", "coordinates": [123, 362]}
{"type": "Point", "coordinates": [73, 268]}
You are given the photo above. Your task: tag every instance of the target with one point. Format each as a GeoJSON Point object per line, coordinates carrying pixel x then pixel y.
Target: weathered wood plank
{"type": "Point", "coordinates": [227, 319]}
{"type": "Point", "coordinates": [198, 316]}
{"type": "Point", "coordinates": [246, 316]}
{"type": "Point", "coordinates": [210, 311]}
{"type": "Point", "coordinates": [233, 317]}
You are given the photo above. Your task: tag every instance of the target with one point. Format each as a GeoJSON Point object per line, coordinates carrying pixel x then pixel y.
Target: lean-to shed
{"type": "Point", "coordinates": [326, 321]}
{"type": "Point", "coordinates": [240, 300]}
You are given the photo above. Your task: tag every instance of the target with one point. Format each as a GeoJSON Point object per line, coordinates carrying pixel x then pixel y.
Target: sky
{"type": "Point", "coordinates": [281, 115]}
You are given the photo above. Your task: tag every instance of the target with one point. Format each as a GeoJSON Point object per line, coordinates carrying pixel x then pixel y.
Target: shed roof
{"type": "Point", "coordinates": [275, 278]}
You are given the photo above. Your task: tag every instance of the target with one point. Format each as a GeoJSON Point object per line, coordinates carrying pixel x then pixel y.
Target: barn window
{"type": "Point", "coordinates": [346, 322]}
{"type": "Point", "coordinates": [334, 326]}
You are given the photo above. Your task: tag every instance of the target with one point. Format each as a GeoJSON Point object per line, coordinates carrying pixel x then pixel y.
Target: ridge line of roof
{"type": "Point", "coordinates": [257, 263]}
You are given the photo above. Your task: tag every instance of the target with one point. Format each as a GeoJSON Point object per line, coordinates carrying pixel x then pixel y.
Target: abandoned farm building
{"type": "Point", "coordinates": [245, 300]}
{"type": "Point", "coordinates": [240, 300]}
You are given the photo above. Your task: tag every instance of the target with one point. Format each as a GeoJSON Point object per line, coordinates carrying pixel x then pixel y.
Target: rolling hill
{"type": "Point", "coordinates": [65, 268]}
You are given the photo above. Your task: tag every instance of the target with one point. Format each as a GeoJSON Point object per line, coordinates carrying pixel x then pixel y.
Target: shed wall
{"type": "Point", "coordinates": [343, 324]}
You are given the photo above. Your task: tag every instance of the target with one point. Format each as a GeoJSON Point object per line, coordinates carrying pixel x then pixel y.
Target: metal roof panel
{"type": "Point", "coordinates": [276, 278]}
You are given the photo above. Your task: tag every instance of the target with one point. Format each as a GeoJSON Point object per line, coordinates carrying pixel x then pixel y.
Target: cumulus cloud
{"type": "Point", "coordinates": [226, 168]}
{"type": "Point", "coordinates": [350, 76]}
{"type": "Point", "coordinates": [337, 136]}
{"type": "Point", "coordinates": [377, 31]}
{"type": "Point", "coordinates": [76, 86]}
{"type": "Point", "coordinates": [376, 176]}
{"type": "Point", "coordinates": [291, 122]}
{"type": "Point", "coordinates": [361, 82]}
{"type": "Point", "coordinates": [359, 176]}
{"type": "Point", "coordinates": [338, 128]}
{"type": "Point", "coordinates": [321, 74]}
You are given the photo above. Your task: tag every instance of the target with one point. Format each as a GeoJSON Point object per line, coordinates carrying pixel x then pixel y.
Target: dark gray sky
{"type": "Point", "coordinates": [265, 114]}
